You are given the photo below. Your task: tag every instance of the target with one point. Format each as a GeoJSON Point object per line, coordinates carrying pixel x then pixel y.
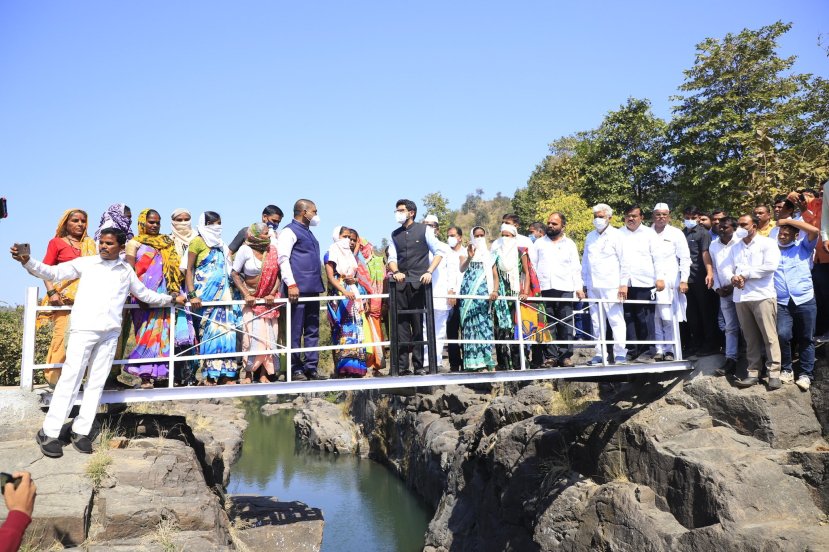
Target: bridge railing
{"type": "Point", "coordinates": [32, 308]}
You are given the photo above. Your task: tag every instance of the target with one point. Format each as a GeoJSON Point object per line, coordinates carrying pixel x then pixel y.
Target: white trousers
{"type": "Point", "coordinates": [663, 323]}
{"type": "Point", "coordinates": [441, 316]}
{"type": "Point", "coordinates": [614, 314]}
{"type": "Point", "coordinates": [84, 348]}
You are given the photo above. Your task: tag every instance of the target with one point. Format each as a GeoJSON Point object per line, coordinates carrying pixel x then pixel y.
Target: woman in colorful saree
{"type": "Point", "coordinates": [480, 277]}
{"type": "Point", "coordinates": [208, 266]}
{"type": "Point", "coordinates": [117, 215]}
{"type": "Point", "coordinates": [512, 264]}
{"type": "Point", "coordinates": [70, 242]}
{"type": "Point", "coordinates": [156, 262]}
{"type": "Point", "coordinates": [256, 276]}
{"type": "Point", "coordinates": [346, 316]}
{"type": "Point", "coordinates": [371, 273]}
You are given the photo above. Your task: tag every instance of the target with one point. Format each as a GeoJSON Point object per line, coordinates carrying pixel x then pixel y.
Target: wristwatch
{"type": "Point", "coordinates": [191, 295]}
{"type": "Point", "coordinates": [51, 292]}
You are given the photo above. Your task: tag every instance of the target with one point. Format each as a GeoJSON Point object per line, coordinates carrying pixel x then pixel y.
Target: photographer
{"type": "Point", "coordinates": [20, 501]}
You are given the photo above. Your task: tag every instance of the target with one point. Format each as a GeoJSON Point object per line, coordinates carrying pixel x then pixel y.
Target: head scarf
{"type": "Point", "coordinates": [182, 231]}
{"type": "Point", "coordinates": [507, 249]}
{"type": "Point", "coordinates": [166, 248]}
{"type": "Point", "coordinates": [341, 255]}
{"type": "Point", "coordinates": [115, 217]}
{"type": "Point", "coordinates": [67, 288]}
{"type": "Point", "coordinates": [211, 234]}
{"type": "Point", "coordinates": [481, 253]}
{"type": "Point", "coordinates": [258, 236]}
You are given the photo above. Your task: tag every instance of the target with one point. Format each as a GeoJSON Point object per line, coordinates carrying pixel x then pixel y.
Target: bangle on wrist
{"type": "Point", "coordinates": [51, 292]}
{"type": "Point", "coordinates": [192, 295]}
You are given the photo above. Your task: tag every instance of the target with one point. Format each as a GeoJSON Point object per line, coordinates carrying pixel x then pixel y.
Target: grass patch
{"type": "Point", "coordinates": [565, 401]}
{"type": "Point", "coordinates": [200, 424]}
{"type": "Point", "coordinates": [345, 405]}
{"type": "Point", "coordinates": [97, 469]}
{"type": "Point", "coordinates": [165, 533]}
{"type": "Point", "coordinates": [616, 466]}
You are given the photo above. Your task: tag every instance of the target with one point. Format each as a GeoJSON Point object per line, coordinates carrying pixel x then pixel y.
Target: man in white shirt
{"type": "Point", "coordinates": [645, 275]}
{"type": "Point", "coordinates": [95, 324]}
{"type": "Point", "coordinates": [676, 258]}
{"type": "Point", "coordinates": [750, 267]}
{"type": "Point", "coordinates": [605, 277]}
{"type": "Point", "coordinates": [445, 282]}
{"type": "Point", "coordinates": [456, 256]}
{"type": "Point", "coordinates": [557, 265]}
{"type": "Point", "coordinates": [720, 250]}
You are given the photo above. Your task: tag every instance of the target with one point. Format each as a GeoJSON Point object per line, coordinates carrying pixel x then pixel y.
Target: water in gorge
{"type": "Point", "coordinates": [365, 506]}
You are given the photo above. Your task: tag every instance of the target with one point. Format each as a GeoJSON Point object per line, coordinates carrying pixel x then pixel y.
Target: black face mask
{"type": "Point", "coordinates": [553, 233]}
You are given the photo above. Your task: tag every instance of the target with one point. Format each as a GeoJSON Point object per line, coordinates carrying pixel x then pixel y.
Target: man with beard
{"type": "Point", "coordinates": [557, 265]}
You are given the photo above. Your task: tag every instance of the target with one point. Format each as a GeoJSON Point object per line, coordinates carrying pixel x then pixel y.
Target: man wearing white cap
{"type": "Point", "coordinates": [445, 282]}
{"type": "Point", "coordinates": [676, 258]}
{"type": "Point", "coordinates": [556, 261]}
{"type": "Point", "coordinates": [605, 276]}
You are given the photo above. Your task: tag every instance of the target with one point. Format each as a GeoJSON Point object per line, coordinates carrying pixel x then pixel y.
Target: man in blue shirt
{"type": "Point", "coordinates": [797, 309]}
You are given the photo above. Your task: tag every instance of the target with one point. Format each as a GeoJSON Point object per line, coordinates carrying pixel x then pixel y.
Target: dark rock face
{"type": "Point", "coordinates": [691, 464]}
{"type": "Point", "coordinates": [264, 523]}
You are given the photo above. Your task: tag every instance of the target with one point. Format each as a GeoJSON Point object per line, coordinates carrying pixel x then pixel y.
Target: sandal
{"type": "Point", "coordinates": [147, 384]}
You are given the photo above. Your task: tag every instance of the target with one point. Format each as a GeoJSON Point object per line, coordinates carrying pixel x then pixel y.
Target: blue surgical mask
{"type": "Point", "coordinates": [690, 223]}
{"type": "Point", "coordinates": [532, 238]}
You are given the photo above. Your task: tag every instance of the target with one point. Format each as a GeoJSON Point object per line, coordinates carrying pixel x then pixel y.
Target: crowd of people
{"type": "Point", "coordinates": [755, 278]}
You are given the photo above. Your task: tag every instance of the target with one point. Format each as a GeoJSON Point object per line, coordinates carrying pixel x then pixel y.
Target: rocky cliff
{"type": "Point", "coordinates": [690, 463]}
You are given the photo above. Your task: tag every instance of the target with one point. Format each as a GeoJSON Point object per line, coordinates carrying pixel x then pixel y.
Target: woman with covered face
{"type": "Point", "coordinates": [480, 277]}
{"type": "Point", "coordinates": [512, 265]}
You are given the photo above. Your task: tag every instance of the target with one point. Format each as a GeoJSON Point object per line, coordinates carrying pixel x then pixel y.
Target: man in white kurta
{"type": "Point", "coordinates": [673, 252]}
{"type": "Point", "coordinates": [605, 277]}
{"type": "Point", "coordinates": [105, 283]}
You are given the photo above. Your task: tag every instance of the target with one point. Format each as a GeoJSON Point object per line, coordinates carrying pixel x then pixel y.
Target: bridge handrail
{"type": "Point", "coordinates": [32, 308]}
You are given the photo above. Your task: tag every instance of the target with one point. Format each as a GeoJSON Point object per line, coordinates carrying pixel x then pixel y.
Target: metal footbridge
{"type": "Point", "coordinates": [435, 377]}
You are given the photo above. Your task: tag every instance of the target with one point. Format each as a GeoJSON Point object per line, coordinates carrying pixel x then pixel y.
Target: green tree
{"type": "Point", "coordinates": [739, 127]}
{"type": "Point", "coordinates": [623, 161]}
{"type": "Point", "coordinates": [436, 204]}
{"type": "Point", "coordinates": [558, 171]}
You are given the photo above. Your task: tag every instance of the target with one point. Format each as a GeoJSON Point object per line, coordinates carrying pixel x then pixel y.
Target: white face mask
{"type": "Point", "coordinates": [784, 245]}
{"type": "Point", "coordinates": [741, 233]}
{"type": "Point", "coordinates": [689, 223]}
{"type": "Point", "coordinates": [401, 217]}
{"type": "Point", "coordinates": [452, 242]}
{"type": "Point", "coordinates": [430, 230]}
{"type": "Point", "coordinates": [599, 223]}
{"type": "Point", "coordinates": [343, 243]}
{"type": "Point", "coordinates": [314, 221]}
{"type": "Point", "coordinates": [480, 243]}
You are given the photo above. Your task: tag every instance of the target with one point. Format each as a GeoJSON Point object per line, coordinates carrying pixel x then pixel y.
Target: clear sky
{"type": "Point", "coordinates": [229, 106]}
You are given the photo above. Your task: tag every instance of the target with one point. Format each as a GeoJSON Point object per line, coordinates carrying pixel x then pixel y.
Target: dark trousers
{"type": "Point", "coordinates": [410, 326]}
{"type": "Point", "coordinates": [797, 322]}
{"type": "Point", "coordinates": [305, 325]}
{"type": "Point", "coordinates": [559, 310]}
{"type": "Point", "coordinates": [702, 322]}
{"type": "Point", "coordinates": [820, 279]}
{"type": "Point", "coordinates": [639, 319]}
{"type": "Point", "coordinates": [453, 331]}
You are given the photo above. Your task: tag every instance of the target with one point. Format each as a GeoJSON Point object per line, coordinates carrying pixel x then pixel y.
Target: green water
{"type": "Point", "coordinates": [364, 505]}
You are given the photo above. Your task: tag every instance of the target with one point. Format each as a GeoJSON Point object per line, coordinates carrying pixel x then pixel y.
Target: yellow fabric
{"type": "Point", "coordinates": [57, 348]}
{"type": "Point", "coordinates": [166, 248]}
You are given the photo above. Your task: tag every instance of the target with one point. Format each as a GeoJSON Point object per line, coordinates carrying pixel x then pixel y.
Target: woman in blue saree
{"type": "Point", "coordinates": [480, 277]}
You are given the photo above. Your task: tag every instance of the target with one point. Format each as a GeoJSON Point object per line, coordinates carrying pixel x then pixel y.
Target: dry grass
{"type": "Point", "coordinates": [345, 404]}
{"type": "Point", "coordinates": [200, 424]}
{"type": "Point", "coordinates": [97, 469]}
{"type": "Point", "coordinates": [617, 467]}
{"type": "Point", "coordinates": [564, 402]}
{"type": "Point", "coordinates": [164, 535]}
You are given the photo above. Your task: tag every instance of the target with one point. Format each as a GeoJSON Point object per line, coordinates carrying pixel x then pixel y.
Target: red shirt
{"type": "Point", "coordinates": [11, 532]}
{"type": "Point", "coordinates": [813, 216]}
{"type": "Point", "coordinates": [58, 251]}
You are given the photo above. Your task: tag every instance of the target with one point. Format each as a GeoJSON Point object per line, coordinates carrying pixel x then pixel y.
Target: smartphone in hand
{"type": "Point", "coordinates": [8, 478]}
{"type": "Point", "coordinates": [23, 249]}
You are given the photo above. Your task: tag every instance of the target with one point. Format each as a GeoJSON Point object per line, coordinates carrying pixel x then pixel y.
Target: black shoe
{"type": "Point", "coordinates": [49, 446]}
{"type": "Point", "coordinates": [775, 384]}
{"type": "Point", "coordinates": [405, 372]}
{"type": "Point", "coordinates": [298, 376]}
{"type": "Point", "coordinates": [421, 372]}
{"type": "Point", "coordinates": [727, 369]}
{"type": "Point", "coordinates": [81, 443]}
{"type": "Point", "coordinates": [315, 376]}
{"type": "Point", "coordinates": [746, 382]}
{"type": "Point", "coordinates": [669, 357]}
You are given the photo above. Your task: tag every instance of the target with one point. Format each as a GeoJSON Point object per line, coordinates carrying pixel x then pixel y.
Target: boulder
{"type": "Point", "coordinates": [265, 523]}
{"type": "Point", "coordinates": [153, 483]}
{"type": "Point", "coordinates": [324, 426]}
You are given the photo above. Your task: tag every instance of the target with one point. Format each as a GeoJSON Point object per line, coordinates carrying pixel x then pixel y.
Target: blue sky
{"type": "Point", "coordinates": [230, 106]}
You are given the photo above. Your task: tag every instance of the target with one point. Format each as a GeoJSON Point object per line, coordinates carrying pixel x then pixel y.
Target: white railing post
{"type": "Point", "coordinates": [27, 357]}
{"type": "Point", "coordinates": [677, 340]}
{"type": "Point", "coordinates": [171, 364]}
{"type": "Point", "coordinates": [520, 320]}
{"type": "Point", "coordinates": [288, 369]}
